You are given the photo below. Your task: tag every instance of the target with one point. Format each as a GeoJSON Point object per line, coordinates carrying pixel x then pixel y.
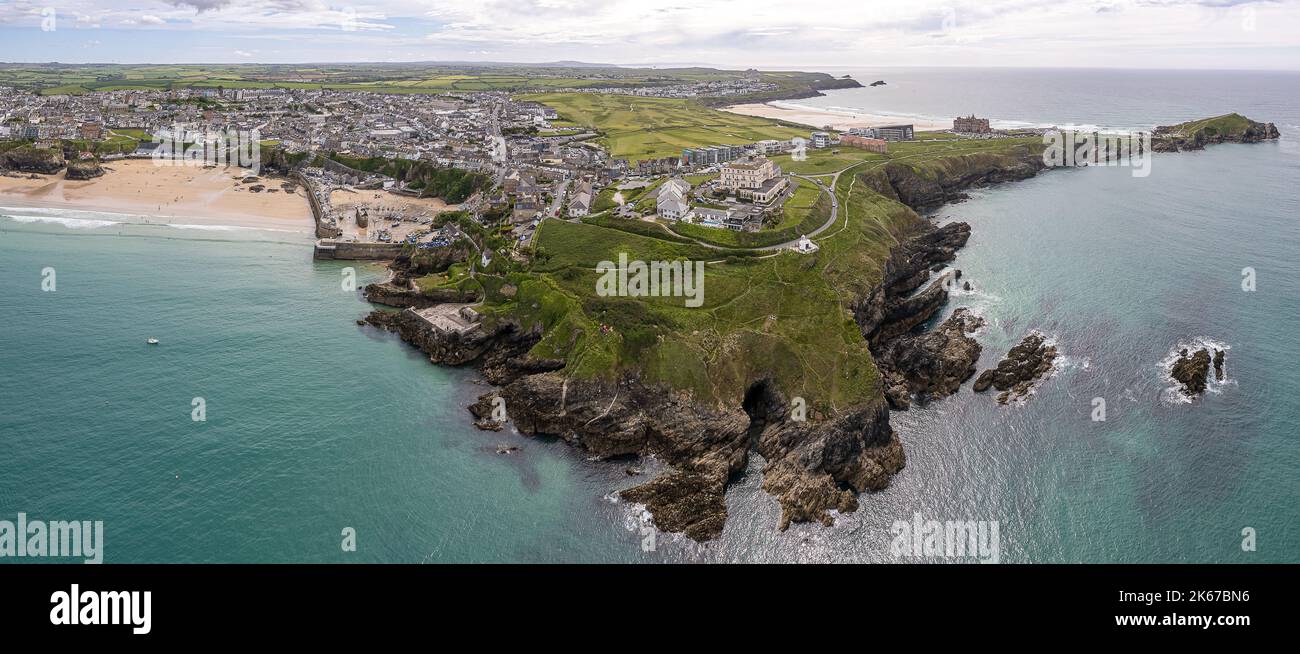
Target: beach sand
{"type": "Point", "coordinates": [839, 120]}
{"type": "Point", "coordinates": [183, 195]}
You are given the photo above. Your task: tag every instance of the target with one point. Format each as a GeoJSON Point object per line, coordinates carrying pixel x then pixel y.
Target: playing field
{"type": "Point", "coordinates": [637, 128]}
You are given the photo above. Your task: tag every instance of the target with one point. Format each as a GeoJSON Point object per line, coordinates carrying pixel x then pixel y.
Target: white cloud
{"type": "Point", "coordinates": [1133, 33]}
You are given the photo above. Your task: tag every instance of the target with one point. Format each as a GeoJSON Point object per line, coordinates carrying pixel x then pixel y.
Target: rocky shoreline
{"type": "Point", "coordinates": [1177, 138]}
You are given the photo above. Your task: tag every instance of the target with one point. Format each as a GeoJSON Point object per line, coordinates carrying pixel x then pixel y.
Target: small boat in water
{"type": "Point", "coordinates": [152, 341]}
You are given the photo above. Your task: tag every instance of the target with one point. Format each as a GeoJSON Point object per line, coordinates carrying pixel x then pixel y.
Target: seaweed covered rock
{"type": "Point", "coordinates": [1192, 371]}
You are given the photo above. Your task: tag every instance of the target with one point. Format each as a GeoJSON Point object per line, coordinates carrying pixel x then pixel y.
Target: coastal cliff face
{"type": "Point", "coordinates": [931, 365]}
{"type": "Point", "coordinates": [934, 364]}
{"type": "Point", "coordinates": [911, 187]}
{"type": "Point", "coordinates": [811, 89]}
{"type": "Point", "coordinates": [892, 309]}
{"type": "Point", "coordinates": [33, 160]}
{"type": "Point", "coordinates": [500, 349]}
{"type": "Point", "coordinates": [811, 467]}
{"type": "Point", "coordinates": [395, 293]}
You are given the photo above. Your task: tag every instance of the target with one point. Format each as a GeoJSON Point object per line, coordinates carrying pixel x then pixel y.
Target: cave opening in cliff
{"type": "Point", "coordinates": [758, 404]}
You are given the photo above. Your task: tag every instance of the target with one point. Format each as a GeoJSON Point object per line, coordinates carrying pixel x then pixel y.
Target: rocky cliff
{"type": "Point", "coordinates": [933, 364]}
{"type": "Point", "coordinates": [1195, 135]}
{"type": "Point", "coordinates": [28, 159]}
{"type": "Point", "coordinates": [921, 188]}
{"type": "Point", "coordinates": [892, 309]}
{"type": "Point", "coordinates": [395, 293]}
{"type": "Point", "coordinates": [83, 170]}
{"type": "Point", "coordinates": [811, 467]}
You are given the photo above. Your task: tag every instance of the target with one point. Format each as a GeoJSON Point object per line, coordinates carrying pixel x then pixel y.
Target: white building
{"type": "Point", "coordinates": [671, 204]}
{"type": "Point", "coordinates": [805, 245]}
{"type": "Point", "coordinates": [821, 139]}
{"type": "Point", "coordinates": [750, 172]}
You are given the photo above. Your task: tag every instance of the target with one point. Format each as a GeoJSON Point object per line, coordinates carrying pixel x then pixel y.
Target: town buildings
{"type": "Point", "coordinates": [886, 132]}
{"type": "Point", "coordinates": [713, 154]}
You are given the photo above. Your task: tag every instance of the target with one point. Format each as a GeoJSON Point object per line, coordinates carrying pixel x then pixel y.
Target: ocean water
{"type": "Point", "coordinates": [315, 424]}
{"type": "Point", "coordinates": [1080, 98]}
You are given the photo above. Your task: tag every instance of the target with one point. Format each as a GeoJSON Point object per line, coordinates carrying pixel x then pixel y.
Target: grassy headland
{"type": "Point", "coordinates": [778, 316]}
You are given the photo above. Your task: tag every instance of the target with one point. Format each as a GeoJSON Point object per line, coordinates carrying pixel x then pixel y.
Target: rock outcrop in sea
{"type": "Point", "coordinates": [1192, 370]}
{"type": "Point", "coordinates": [1024, 365]}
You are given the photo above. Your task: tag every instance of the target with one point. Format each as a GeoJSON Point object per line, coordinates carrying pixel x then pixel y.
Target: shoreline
{"type": "Point", "coordinates": [179, 196]}
{"type": "Point", "coordinates": [838, 120]}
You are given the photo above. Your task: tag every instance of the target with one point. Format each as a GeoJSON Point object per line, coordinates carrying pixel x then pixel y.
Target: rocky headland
{"type": "Point", "coordinates": [814, 465]}
{"type": "Point", "coordinates": [1195, 135]}
{"type": "Point", "coordinates": [817, 461]}
{"type": "Point", "coordinates": [28, 159]}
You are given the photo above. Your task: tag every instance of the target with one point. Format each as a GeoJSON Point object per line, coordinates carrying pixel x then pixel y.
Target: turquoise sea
{"type": "Point", "coordinates": [315, 424]}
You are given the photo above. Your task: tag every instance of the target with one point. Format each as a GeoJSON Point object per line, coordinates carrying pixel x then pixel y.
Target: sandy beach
{"type": "Point", "coordinates": [839, 120]}
{"type": "Point", "coordinates": [182, 195]}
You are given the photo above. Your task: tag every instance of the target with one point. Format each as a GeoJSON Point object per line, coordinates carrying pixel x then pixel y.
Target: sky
{"type": "Point", "coordinates": [802, 34]}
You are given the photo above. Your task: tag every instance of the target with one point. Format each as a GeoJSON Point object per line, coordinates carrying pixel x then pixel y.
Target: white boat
{"type": "Point", "coordinates": [152, 341]}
